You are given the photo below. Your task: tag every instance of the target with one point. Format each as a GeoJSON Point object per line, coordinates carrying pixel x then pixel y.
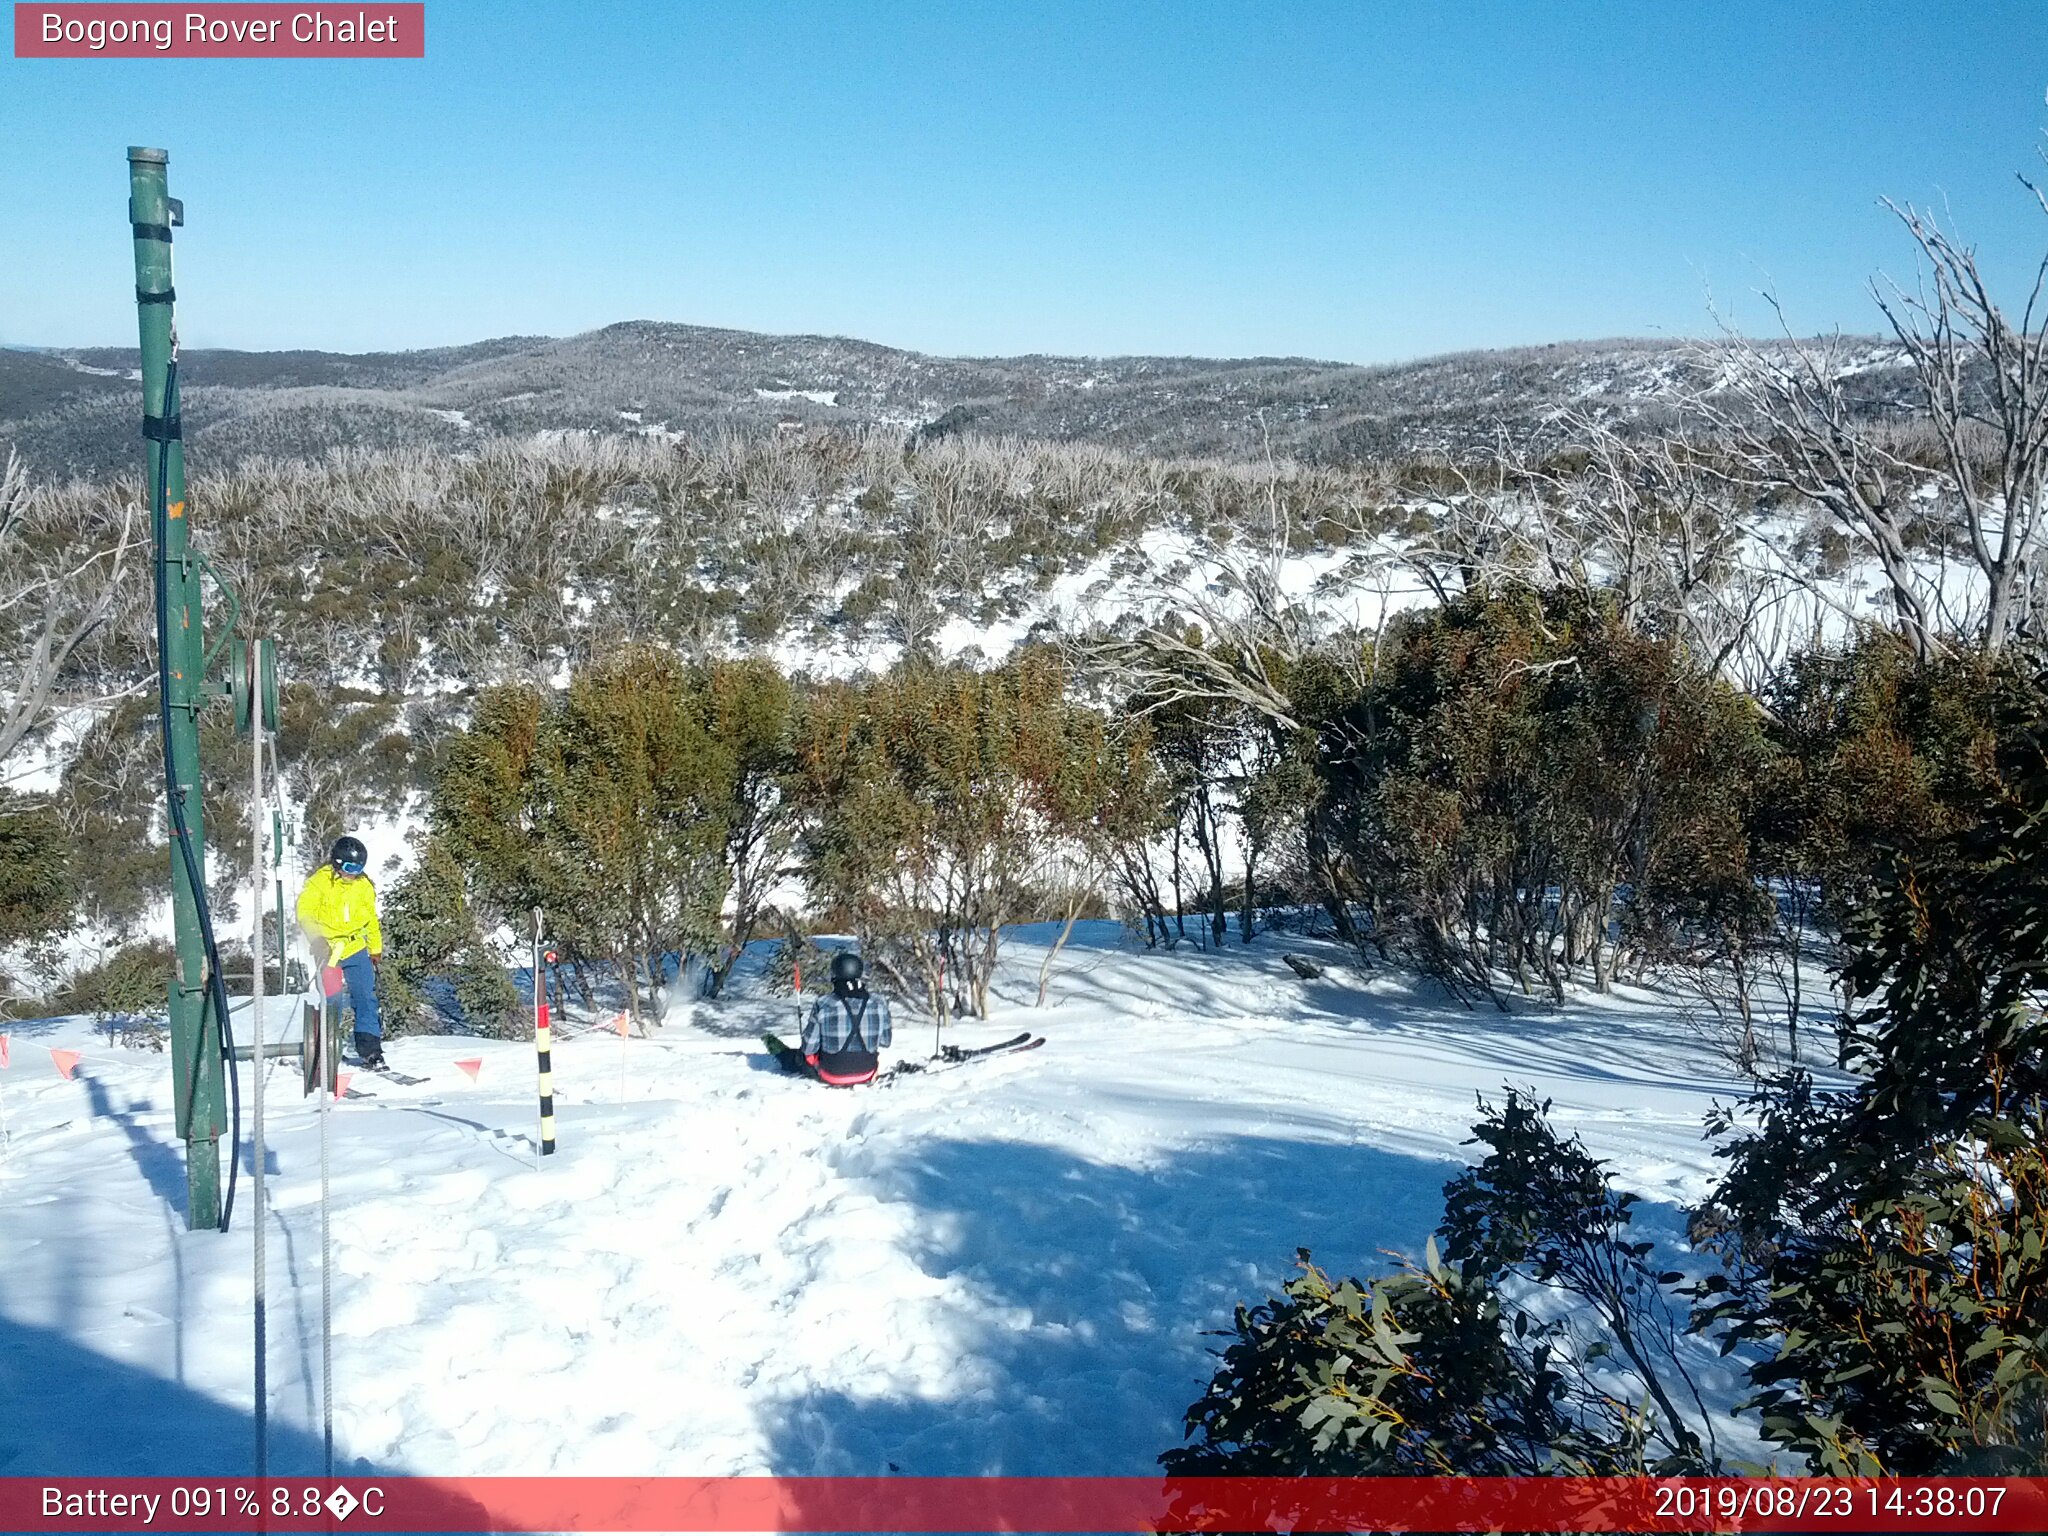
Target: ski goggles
{"type": "Point", "coordinates": [348, 867]}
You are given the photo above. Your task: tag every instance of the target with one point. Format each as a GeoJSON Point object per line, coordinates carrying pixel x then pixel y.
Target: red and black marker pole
{"type": "Point", "coordinates": [543, 1040]}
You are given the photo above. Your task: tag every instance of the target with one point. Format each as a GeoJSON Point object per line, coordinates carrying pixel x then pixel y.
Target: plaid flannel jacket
{"type": "Point", "coordinates": [846, 1024]}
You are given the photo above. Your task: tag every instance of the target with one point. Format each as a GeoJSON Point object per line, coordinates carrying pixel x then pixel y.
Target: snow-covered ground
{"type": "Point", "coordinates": [1007, 1267]}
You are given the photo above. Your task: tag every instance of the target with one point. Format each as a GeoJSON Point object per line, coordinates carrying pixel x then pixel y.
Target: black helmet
{"type": "Point", "coordinates": [349, 850]}
{"type": "Point", "coordinates": [847, 967]}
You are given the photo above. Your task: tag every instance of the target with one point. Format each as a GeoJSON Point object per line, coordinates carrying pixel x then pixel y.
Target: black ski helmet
{"type": "Point", "coordinates": [846, 968]}
{"type": "Point", "coordinates": [348, 850]}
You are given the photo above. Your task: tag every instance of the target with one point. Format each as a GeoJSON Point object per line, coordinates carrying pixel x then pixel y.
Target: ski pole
{"type": "Point", "coordinates": [543, 1042]}
{"type": "Point", "coordinates": [796, 990]}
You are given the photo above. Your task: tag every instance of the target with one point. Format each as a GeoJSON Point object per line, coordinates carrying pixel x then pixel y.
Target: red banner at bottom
{"type": "Point", "coordinates": [1048, 1504]}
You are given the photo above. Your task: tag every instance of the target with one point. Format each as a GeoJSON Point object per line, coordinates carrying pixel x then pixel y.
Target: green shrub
{"type": "Point", "coordinates": [795, 954]}
{"type": "Point", "coordinates": [36, 888]}
{"type": "Point", "coordinates": [113, 792]}
{"type": "Point", "coordinates": [1409, 1374]}
{"type": "Point", "coordinates": [1911, 1337]}
{"type": "Point", "coordinates": [128, 993]}
{"type": "Point", "coordinates": [1880, 755]}
{"type": "Point", "coordinates": [1887, 1240]}
{"type": "Point", "coordinates": [1436, 1371]}
{"type": "Point", "coordinates": [1522, 770]}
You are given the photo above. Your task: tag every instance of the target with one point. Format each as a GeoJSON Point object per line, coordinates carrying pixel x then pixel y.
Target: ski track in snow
{"type": "Point", "coordinates": [1008, 1268]}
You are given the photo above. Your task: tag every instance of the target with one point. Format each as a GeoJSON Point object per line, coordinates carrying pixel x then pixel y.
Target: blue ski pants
{"type": "Point", "coordinates": [361, 978]}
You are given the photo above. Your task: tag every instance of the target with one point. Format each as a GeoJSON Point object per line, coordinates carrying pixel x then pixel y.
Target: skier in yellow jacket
{"type": "Point", "coordinates": [338, 910]}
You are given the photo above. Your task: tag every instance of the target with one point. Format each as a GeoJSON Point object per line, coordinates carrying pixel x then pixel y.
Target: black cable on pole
{"type": "Point", "coordinates": [174, 798]}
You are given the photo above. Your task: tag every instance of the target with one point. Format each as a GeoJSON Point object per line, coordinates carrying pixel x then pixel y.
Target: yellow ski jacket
{"type": "Point", "coordinates": [342, 911]}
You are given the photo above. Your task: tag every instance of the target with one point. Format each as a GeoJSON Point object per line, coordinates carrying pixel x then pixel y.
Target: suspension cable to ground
{"type": "Point", "coordinates": [259, 1062]}
{"type": "Point", "coordinates": [321, 1072]}
{"type": "Point", "coordinates": [214, 981]}
{"type": "Point", "coordinates": [326, 1092]}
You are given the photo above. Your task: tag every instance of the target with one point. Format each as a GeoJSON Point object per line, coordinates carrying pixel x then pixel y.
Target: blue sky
{"type": "Point", "coordinates": [1363, 182]}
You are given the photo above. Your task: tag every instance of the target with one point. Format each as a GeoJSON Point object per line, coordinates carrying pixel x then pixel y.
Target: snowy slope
{"type": "Point", "coordinates": [1007, 1267]}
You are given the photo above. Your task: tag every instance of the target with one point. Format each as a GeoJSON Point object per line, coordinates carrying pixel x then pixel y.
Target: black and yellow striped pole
{"type": "Point", "coordinates": [543, 1039]}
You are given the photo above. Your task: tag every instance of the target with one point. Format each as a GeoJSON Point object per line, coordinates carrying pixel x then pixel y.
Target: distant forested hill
{"type": "Point", "coordinates": [74, 412]}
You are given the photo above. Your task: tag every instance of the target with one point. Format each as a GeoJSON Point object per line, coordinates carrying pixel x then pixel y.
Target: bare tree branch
{"type": "Point", "coordinates": [56, 602]}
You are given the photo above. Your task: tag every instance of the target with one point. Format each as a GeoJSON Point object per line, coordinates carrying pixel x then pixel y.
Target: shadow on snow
{"type": "Point", "coordinates": [66, 1411]}
{"type": "Point", "coordinates": [1093, 1287]}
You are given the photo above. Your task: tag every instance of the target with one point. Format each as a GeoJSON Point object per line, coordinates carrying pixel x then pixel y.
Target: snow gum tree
{"type": "Point", "coordinates": [1097, 789]}
{"type": "Point", "coordinates": [634, 795]}
{"type": "Point", "coordinates": [1195, 740]}
{"type": "Point", "coordinates": [750, 713]}
{"type": "Point", "coordinates": [607, 807]}
{"type": "Point", "coordinates": [439, 967]}
{"type": "Point", "coordinates": [56, 591]}
{"type": "Point", "coordinates": [482, 808]}
{"type": "Point", "coordinates": [938, 799]}
{"type": "Point", "coordinates": [1968, 482]}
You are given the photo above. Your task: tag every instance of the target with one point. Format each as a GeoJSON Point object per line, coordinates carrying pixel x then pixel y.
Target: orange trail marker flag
{"type": "Point", "coordinates": [67, 1061]}
{"type": "Point", "coordinates": [474, 1065]}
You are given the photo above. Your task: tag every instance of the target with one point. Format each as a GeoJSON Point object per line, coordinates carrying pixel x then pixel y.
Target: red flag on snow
{"type": "Point", "coordinates": [341, 1081]}
{"type": "Point", "coordinates": [332, 981]}
{"type": "Point", "coordinates": [3, 1051]}
{"type": "Point", "coordinates": [67, 1061]}
{"type": "Point", "coordinates": [474, 1065]}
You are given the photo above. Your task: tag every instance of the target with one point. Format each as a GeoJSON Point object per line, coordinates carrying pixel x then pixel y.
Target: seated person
{"type": "Point", "coordinates": [844, 1034]}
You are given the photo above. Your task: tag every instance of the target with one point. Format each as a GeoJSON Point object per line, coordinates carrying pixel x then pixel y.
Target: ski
{"type": "Point", "coordinates": [392, 1075]}
{"type": "Point", "coordinates": [949, 1057]}
{"type": "Point", "coordinates": [353, 1092]}
{"type": "Point", "coordinates": [962, 1053]}
{"type": "Point", "coordinates": [957, 1056]}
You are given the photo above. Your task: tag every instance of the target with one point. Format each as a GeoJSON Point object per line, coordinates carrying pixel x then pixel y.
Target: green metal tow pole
{"type": "Point", "coordinates": [195, 1031]}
